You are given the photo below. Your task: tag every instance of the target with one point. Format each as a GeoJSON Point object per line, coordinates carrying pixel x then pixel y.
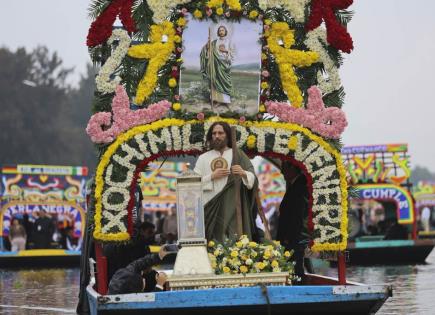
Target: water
{"type": "Point", "coordinates": [42, 291]}
{"type": "Point", "coordinates": [55, 291]}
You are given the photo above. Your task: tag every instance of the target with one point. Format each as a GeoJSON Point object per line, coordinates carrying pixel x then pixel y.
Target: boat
{"type": "Point", "coordinates": [321, 295]}
{"type": "Point", "coordinates": [40, 258]}
{"type": "Point", "coordinates": [174, 122]}
{"type": "Point", "coordinates": [59, 191]}
{"type": "Point", "coordinates": [424, 195]}
{"type": "Point", "coordinates": [380, 176]}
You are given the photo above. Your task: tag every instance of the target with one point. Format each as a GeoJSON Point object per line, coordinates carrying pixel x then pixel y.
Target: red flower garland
{"type": "Point", "coordinates": [337, 35]}
{"type": "Point", "coordinates": [101, 28]}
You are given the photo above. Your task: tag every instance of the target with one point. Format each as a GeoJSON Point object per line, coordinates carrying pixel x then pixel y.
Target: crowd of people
{"type": "Point", "coordinates": [41, 230]}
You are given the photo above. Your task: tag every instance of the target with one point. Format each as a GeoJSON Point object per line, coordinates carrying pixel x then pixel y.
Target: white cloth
{"type": "Point", "coordinates": [425, 217]}
{"type": "Point", "coordinates": [425, 214]}
{"type": "Point", "coordinates": [212, 187]}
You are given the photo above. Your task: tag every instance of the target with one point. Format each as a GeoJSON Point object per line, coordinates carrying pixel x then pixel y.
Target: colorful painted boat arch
{"type": "Point", "coordinates": [389, 192]}
{"type": "Point", "coordinates": [125, 158]}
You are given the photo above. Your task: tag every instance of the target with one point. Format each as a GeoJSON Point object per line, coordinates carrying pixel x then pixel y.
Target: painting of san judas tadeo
{"type": "Point", "coordinates": [221, 66]}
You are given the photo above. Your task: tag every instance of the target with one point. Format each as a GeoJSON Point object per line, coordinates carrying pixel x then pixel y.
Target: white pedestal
{"type": "Point", "coordinates": [192, 260]}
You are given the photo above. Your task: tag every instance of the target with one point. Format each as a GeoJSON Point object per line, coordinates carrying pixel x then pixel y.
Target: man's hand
{"type": "Point", "coordinates": [161, 278]}
{"type": "Point", "coordinates": [219, 173]}
{"type": "Point", "coordinates": [238, 170]}
{"type": "Point", "coordinates": [162, 252]}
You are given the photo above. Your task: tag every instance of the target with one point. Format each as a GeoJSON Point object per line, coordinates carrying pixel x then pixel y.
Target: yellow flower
{"type": "Point", "coordinates": [274, 264]}
{"type": "Point", "coordinates": [219, 11]}
{"type": "Point", "coordinates": [197, 14]}
{"type": "Point", "coordinates": [252, 244]}
{"type": "Point", "coordinates": [253, 14]}
{"type": "Point", "coordinates": [239, 244]}
{"type": "Point", "coordinates": [261, 265]}
{"type": "Point", "coordinates": [177, 39]}
{"type": "Point", "coordinates": [267, 21]}
{"type": "Point", "coordinates": [251, 142]}
{"type": "Point", "coordinates": [234, 253]}
{"type": "Point", "coordinates": [177, 106]}
{"type": "Point", "coordinates": [181, 21]}
{"type": "Point", "coordinates": [243, 269]}
{"type": "Point", "coordinates": [264, 85]}
{"type": "Point", "coordinates": [254, 254]}
{"type": "Point", "coordinates": [172, 82]}
{"type": "Point", "coordinates": [266, 254]}
{"type": "Point", "coordinates": [263, 56]}
{"type": "Point", "coordinates": [234, 5]}
{"type": "Point", "coordinates": [277, 243]}
{"type": "Point", "coordinates": [213, 265]}
{"type": "Point", "coordinates": [211, 244]}
{"type": "Point", "coordinates": [292, 143]}
{"type": "Point", "coordinates": [287, 254]}
{"type": "Point", "coordinates": [262, 108]}
{"type": "Point", "coordinates": [216, 252]}
{"type": "Point", "coordinates": [226, 269]}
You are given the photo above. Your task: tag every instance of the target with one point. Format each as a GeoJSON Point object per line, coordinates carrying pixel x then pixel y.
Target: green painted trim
{"type": "Point", "coordinates": [384, 243]}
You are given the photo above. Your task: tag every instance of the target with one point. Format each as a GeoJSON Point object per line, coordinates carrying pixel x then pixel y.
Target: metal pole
{"type": "Point", "coordinates": [102, 283]}
{"type": "Point", "coordinates": [341, 268]}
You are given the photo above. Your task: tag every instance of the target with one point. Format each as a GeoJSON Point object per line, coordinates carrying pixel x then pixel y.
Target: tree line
{"type": "Point", "coordinates": [43, 118]}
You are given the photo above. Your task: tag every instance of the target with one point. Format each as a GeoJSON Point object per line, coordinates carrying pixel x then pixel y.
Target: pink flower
{"type": "Point", "coordinates": [265, 73]}
{"type": "Point", "coordinates": [227, 14]}
{"type": "Point", "coordinates": [177, 97]}
{"type": "Point", "coordinates": [266, 27]}
{"type": "Point", "coordinates": [179, 49]}
{"type": "Point", "coordinates": [208, 11]}
{"type": "Point", "coordinates": [184, 11]}
{"type": "Point", "coordinates": [200, 116]}
{"type": "Point", "coordinates": [242, 119]}
{"type": "Point", "coordinates": [123, 117]}
{"type": "Point", "coordinates": [328, 122]}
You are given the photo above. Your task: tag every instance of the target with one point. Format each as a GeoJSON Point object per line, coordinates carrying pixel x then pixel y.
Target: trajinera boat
{"type": "Point", "coordinates": [382, 218]}
{"type": "Point", "coordinates": [173, 69]}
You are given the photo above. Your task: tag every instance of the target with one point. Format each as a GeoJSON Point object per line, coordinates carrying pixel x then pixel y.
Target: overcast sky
{"type": "Point", "coordinates": [388, 78]}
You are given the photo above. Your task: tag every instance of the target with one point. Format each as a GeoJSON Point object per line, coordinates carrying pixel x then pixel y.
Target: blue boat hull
{"type": "Point", "coordinates": [313, 299]}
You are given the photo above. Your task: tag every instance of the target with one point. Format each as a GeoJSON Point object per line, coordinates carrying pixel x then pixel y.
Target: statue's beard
{"type": "Point", "coordinates": [218, 144]}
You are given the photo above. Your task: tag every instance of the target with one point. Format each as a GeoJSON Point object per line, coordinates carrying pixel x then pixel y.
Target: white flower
{"type": "Point", "coordinates": [103, 82]}
{"type": "Point", "coordinates": [315, 41]}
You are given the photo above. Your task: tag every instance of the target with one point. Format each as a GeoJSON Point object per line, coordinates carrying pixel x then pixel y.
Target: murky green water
{"type": "Point", "coordinates": [55, 291]}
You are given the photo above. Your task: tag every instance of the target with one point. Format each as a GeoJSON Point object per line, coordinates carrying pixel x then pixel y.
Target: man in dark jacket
{"type": "Point", "coordinates": [293, 214]}
{"type": "Point", "coordinates": [132, 279]}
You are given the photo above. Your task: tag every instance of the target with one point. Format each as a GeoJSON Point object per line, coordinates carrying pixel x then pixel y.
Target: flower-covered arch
{"type": "Point", "coordinates": [124, 159]}
{"type": "Point", "coordinates": [140, 113]}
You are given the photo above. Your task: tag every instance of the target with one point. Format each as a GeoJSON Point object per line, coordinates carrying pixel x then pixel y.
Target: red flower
{"type": "Point", "coordinates": [336, 34]}
{"type": "Point", "coordinates": [101, 28]}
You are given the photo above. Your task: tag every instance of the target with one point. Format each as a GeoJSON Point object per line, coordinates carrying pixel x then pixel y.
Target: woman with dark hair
{"type": "Point", "coordinates": [17, 236]}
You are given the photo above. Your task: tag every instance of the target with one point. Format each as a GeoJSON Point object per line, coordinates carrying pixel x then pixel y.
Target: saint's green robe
{"type": "Point", "coordinates": [220, 211]}
{"type": "Point", "coordinates": [218, 71]}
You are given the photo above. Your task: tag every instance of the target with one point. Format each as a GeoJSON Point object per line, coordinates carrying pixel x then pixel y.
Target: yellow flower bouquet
{"type": "Point", "coordinates": [242, 256]}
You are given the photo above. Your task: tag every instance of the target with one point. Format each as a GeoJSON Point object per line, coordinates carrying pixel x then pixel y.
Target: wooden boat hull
{"type": "Point", "coordinates": [389, 252]}
{"type": "Point", "coordinates": [40, 258]}
{"type": "Point", "coordinates": [312, 299]}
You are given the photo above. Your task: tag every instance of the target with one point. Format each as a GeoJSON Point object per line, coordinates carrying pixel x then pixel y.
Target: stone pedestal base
{"type": "Point", "coordinates": [192, 260]}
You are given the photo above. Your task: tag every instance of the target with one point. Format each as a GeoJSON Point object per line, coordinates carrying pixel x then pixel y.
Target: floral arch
{"type": "Point", "coordinates": [125, 158]}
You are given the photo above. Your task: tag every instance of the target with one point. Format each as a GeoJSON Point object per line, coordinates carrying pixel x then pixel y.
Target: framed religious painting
{"type": "Point", "coordinates": [221, 66]}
